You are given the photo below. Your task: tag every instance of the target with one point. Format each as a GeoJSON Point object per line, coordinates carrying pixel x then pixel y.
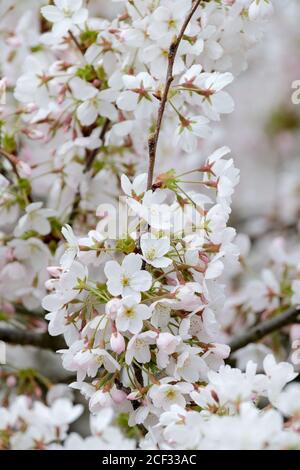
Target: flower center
{"type": "Point", "coordinates": [139, 343]}
{"type": "Point", "coordinates": [172, 24]}
{"type": "Point", "coordinates": [171, 394]}
{"type": "Point", "coordinates": [67, 12]}
{"type": "Point", "coordinates": [150, 254]}
{"type": "Point", "coordinates": [125, 281]}
{"type": "Point", "coordinates": [129, 312]}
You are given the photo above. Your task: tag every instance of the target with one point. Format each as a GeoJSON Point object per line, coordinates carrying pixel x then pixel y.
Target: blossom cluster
{"type": "Point", "coordinates": [33, 425]}
{"type": "Point", "coordinates": [88, 90]}
{"type": "Point", "coordinates": [235, 411]}
{"type": "Point", "coordinates": [141, 310]}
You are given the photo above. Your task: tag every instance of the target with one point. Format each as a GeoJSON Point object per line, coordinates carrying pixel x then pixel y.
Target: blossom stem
{"type": "Point", "coordinates": [75, 41]}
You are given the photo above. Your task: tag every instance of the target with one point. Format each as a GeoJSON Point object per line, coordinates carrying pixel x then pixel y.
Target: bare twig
{"type": "Point", "coordinates": [263, 329]}
{"type": "Point", "coordinates": [26, 338]}
{"type": "Point", "coordinates": [153, 138]}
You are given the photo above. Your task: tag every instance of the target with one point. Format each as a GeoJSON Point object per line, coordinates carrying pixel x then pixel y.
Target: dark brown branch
{"type": "Point", "coordinates": [263, 329]}
{"type": "Point", "coordinates": [153, 138]}
{"type": "Point", "coordinates": [27, 338]}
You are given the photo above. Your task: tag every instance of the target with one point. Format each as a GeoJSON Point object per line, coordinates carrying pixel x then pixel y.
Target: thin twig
{"type": "Point", "coordinates": [263, 329]}
{"type": "Point", "coordinates": [90, 159]}
{"type": "Point", "coordinates": [12, 159]}
{"type": "Point", "coordinates": [153, 138]}
{"type": "Point", "coordinates": [74, 39]}
{"type": "Point", "coordinates": [27, 338]}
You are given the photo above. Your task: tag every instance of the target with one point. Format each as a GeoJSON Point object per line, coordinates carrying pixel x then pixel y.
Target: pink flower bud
{"type": "Point", "coordinates": [112, 308]}
{"type": "Point", "coordinates": [97, 82]}
{"type": "Point", "coordinates": [118, 396]}
{"type": "Point", "coordinates": [11, 381]}
{"type": "Point", "coordinates": [117, 343]}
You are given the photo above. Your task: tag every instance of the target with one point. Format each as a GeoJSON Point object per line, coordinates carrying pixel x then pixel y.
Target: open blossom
{"type": "Point", "coordinates": [94, 103]}
{"type": "Point", "coordinates": [166, 395]}
{"type": "Point", "coordinates": [168, 19]}
{"type": "Point", "coordinates": [138, 95]}
{"type": "Point", "coordinates": [167, 345]}
{"type": "Point", "coordinates": [65, 14]}
{"type": "Point", "coordinates": [138, 347]}
{"type": "Point", "coordinates": [189, 131]}
{"type": "Point", "coordinates": [154, 251]}
{"type": "Point", "coordinates": [36, 219]}
{"type": "Point", "coordinates": [130, 315]}
{"type": "Point", "coordinates": [128, 279]}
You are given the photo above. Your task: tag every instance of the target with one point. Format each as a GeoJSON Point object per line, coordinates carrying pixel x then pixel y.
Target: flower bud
{"type": "Point", "coordinates": [112, 308]}
{"type": "Point", "coordinates": [117, 343]}
{"type": "Point", "coordinates": [118, 396]}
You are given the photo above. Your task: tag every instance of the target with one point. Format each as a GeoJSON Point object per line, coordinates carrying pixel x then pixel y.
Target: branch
{"type": "Point", "coordinates": [12, 159]}
{"type": "Point", "coordinates": [76, 43]}
{"type": "Point", "coordinates": [263, 329]}
{"type": "Point", "coordinates": [26, 338]}
{"type": "Point", "coordinates": [153, 138]}
{"type": "Point", "coordinates": [90, 159]}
